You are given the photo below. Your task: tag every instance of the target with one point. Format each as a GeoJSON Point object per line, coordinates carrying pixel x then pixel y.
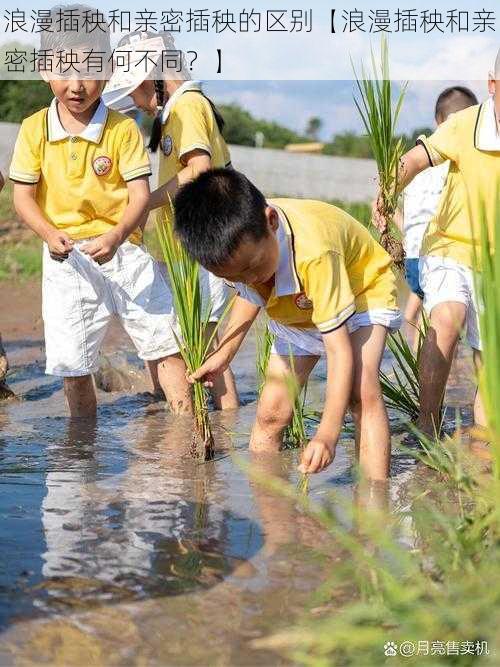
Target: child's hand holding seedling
{"type": "Point", "coordinates": [317, 456]}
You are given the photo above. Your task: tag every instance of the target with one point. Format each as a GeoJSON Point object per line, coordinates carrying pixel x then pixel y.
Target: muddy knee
{"type": "Point", "coordinates": [273, 419]}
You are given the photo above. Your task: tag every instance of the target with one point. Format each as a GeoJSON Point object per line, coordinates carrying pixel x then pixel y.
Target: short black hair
{"type": "Point", "coordinates": [454, 99]}
{"type": "Point", "coordinates": [216, 212]}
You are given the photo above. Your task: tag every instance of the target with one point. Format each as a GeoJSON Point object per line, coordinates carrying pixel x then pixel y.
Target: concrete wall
{"type": "Point", "coordinates": [276, 172]}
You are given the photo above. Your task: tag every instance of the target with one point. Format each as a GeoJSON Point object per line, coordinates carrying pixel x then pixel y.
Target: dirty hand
{"type": "Point", "coordinates": [316, 456]}
{"type": "Point", "coordinates": [378, 219]}
{"type": "Point", "coordinates": [60, 245]}
{"type": "Point", "coordinates": [213, 367]}
{"type": "Point", "coordinates": [103, 248]}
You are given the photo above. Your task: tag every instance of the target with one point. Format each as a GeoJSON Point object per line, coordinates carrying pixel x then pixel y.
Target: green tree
{"type": "Point", "coordinates": [313, 127]}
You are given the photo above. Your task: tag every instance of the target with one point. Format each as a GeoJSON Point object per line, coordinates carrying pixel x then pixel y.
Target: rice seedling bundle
{"type": "Point", "coordinates": [194, 340]}
{"type": "Point", "coordinates": [379, 116]}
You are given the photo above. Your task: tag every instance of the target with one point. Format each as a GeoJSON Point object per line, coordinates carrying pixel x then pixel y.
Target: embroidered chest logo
{"type": "Point", "coordinates": [167, 145]}
{"type": "Point", "coordinates": [302, 302]}
{"type": "Point", "coordinates": [102, 165]}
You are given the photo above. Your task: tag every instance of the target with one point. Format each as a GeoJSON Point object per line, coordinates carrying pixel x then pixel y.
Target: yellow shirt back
{"type": "Point", "coordinates": [473, 182]}
{"type": "Point", "coordinates": [330, 267]}
{"type": "Point", "coordinates": [190, 124]}
{"type": "Point", "coordinates": [81, 180]}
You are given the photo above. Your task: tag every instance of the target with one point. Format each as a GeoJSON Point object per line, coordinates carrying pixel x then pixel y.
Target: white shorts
{"type": "Point", "coordinates": [444, 280]}
{"type": "Point", "coordinates": [307, 342]}
{"type": "Point", "coordinates": [79, 298]}
{"type": "Point", "coordinates": [214, 291]}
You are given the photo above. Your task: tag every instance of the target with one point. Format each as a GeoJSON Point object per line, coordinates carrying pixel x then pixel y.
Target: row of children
{"type": "Point", "coordinates": [80, 174]}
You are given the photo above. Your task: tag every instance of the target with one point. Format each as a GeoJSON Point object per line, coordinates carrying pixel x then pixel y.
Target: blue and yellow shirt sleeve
{"type": "Point", "coordinates": [443, 144]}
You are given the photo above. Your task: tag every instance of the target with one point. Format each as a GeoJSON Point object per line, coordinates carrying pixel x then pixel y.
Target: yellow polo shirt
{"type": "Point", "coordinates": [329, 268]}
{"type": "Point", "coordinates": [474, 181]}
{"type": "Point", "coordinates": [82, 179]}
{"type": "Point", "coordinates": [190, 124]}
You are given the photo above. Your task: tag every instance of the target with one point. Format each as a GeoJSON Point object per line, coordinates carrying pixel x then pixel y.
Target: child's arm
{"type": "Point", "coordinates": [197, 161]}
{"type": "Point", "coordinates": [241, 318]}
{"type": "Point", "coordinates": [25, 204]}
{"type": "Point", "coordinates": [103, 248]}
{"type": "Point", "coordinates": [412, 163]}
{"type": "Point", "coordinates": [320, 451]}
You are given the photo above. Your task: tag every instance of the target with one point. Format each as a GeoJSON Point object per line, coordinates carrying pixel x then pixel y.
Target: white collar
{"type": "Point", "coordinates": [286, 279]}
{"type": "Point", "coordinates": [487, 135]}
{"type": "Point", "coordinates": [184, 88]}
{"type": "Point", "coordinates": [93, 131]}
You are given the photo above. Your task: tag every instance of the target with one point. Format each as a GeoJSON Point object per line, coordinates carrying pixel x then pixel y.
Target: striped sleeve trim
{"type": "Point", "coordinates": [337, 321]}
{"type": "Point", "coordinates": [23, 177]}
{"type": "Point", "coordinates": [143, 170]}
{"type": "Point", "coordinates": [193, 147]}
{"type": "Point", "coordinates": [435, 158]}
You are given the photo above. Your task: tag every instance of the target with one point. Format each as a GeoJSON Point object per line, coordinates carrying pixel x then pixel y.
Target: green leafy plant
{"type": "Point", "coordinates": [487, 277]}
{"type": "Point", "coordinates": [424, 574]}
{"type": "Point", "coordinates": [195, 340]}
{"type": "Point", "coordinates": [380, 116]}
{"type": "Point", "coordinates": [401, 387]}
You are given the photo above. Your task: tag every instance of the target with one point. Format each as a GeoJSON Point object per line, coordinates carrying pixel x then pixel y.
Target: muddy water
{"type": "Point", "coordinates": [117, 548]}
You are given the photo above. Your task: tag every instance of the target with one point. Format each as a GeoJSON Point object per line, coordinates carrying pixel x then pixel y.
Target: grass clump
{"type": "Point", "coordinates": [401, 388]}
{"type": "Point", "coordinates": [21, 260]}
{"type": "Point", "coordinates": [380, 116]}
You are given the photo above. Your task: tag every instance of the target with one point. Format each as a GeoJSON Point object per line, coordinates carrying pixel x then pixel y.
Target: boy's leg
{"type": "Point", "coordinates": [224, 392]}
{"type": "Point", "coordinates": [76, 314]}
{"type": "Point", "coordinates": [368, 409]}
{"type": "Point", "coordinates": [436, 357]}
{"type": "Point", "coordinates": [80, 394]}
{"type": "Point", "coordinates": [275, 407]}
{"type": "Point", "coordinates": [171, 374]}
{"type": "Point", "coordinates": [146, 311]}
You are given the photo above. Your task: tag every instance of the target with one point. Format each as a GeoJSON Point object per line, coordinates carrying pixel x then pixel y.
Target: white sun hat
{"type": "Point", "coordinates": [134, 60]}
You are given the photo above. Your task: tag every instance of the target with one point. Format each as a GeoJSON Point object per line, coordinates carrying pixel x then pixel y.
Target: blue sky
{"type": "Point", "coordinates": [294, 102]}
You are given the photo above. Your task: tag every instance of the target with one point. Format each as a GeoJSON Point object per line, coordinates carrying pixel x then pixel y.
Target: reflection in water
{"type": "Point", "coordinates": [147, 530]}
{"type": "Point", "coordinates": [118, 544]}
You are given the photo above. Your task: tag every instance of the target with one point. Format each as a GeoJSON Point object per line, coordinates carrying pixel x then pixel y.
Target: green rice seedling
{"type": "Point", "coordinates": [487, 276]}
{"type": "Point", "coordinates": [423, 577]}
{"type": "Point", "coordinates": [195, 340]}
{"type": "Point", "coordinates": [401, 388]}
{"type": "Point", "coordinates": [380, 116]}
{"type": "Point", "coordinates": [295, 434]}
{"type": "Point", "coordinates": [265, 340]}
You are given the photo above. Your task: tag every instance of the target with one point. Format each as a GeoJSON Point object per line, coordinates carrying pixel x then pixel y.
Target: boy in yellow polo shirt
{"type": "Point", "coordinates": [80, 176]}
{"type": "Point", "coordinates": [327, 286]}
{"type": "Point", "coordinates": [470, 139]}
